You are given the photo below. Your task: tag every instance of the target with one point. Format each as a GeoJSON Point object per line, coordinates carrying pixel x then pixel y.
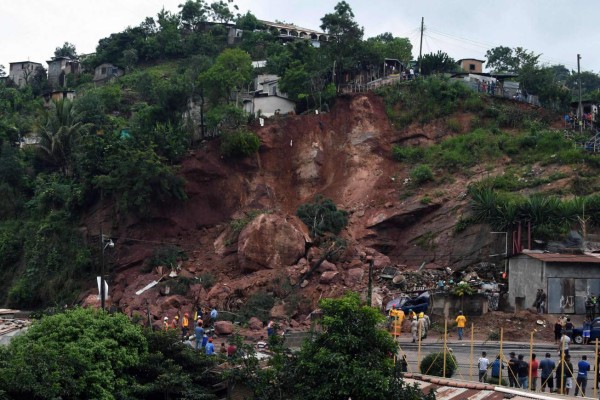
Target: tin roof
{"type": "Point", "coordinates": [565, 258]}
{"type": "Point", "coordinates": [453, 389]}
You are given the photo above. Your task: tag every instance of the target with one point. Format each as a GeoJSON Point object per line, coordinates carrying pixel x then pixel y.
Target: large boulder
{"type": "Point", "coordinates": [272, 241]}
{"type": "Point", "coordinates": [255, 324]}
{"type": "Point", "coordinates": [223, 328]}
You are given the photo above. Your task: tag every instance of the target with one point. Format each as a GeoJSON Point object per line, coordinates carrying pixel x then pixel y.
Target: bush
{"type": "Point", "coordinates": [454, 125]}
{"type": "Point", "coordinates": [322, 216]}
{"type": "Point", "coordinates": [258, 305]}
{"type": "Point", "coordinates": [421, 174]}
{"type": "Point", "coordinates": [433, 364]}
{"type": "Point", "coordinates": [412, 154]}
{"type": "Point", "coordinates": [239, 144]}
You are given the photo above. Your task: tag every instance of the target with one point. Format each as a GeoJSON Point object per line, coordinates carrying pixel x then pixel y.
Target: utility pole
{"type": "Point", "coordinates": [421, 45]}
{"type": "Point", "coordinates": [579, 108]}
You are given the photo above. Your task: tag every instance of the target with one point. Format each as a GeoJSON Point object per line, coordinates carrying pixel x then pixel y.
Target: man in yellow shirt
{"type": "Point", "coordinates": [461, 321]}
{"type": "Point", "coordinates": [397, 317]}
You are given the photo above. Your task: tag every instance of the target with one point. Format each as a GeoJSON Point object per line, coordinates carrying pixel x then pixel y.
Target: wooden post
{"type": "Point", "coordinates": [501, 357]}
{"type": "Point", "coordinates": [472, 359]}
{"type": "Point", "coordinates": [562, 366]}
{"type": "Point", "coordinates": [530, 355]}
{"type": "Point", "coordinates": [419, 346]}
{"type": "Point", "coordinates": [596, 374]}
{"type": "Point", "coordinates": [445, 345]}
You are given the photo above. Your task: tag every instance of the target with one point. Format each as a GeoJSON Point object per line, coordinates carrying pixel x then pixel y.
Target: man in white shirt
{"type": "Point", "coordinates": [564, 344]}
{"type": "Point", "coordinates": [483, 364]}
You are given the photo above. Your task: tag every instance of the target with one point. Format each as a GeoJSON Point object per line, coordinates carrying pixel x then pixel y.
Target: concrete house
{"type": "Point", "coordinates": [471, 65]}
{"type": "Point", "coordinates": [566, 279]}
{"type": "Point", "coordinates": [59, 68]}
{"type": "Point", "coordinates": [106, 72]}
{"type": "Point", "coordinates": [57, 95]}
{"type": "Point", "coordinates": [267, 98]}
{"type": "Point", "coordinates": [22, 72]}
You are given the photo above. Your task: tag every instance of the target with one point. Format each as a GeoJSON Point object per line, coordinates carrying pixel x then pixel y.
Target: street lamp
{"type": "Point", "coordinates": [104, 243]}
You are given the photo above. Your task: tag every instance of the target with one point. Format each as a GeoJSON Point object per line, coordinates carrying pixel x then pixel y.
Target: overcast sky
{"type": "Point", "coordinates": [556, 28]}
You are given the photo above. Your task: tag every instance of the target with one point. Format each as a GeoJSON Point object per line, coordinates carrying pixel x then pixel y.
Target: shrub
{"type": "Point", "coordinates": [258, 305]}
{"type": "Point", "coordinates": [412, 154]}
{"type": "Point", "coordinates": [167, 256]}
{"type": "Point", "coordinates": [433, 364]}
{"type": "Point", "coordinates": [454, 125]}
{"type": "Point", "coordinates": [239, 144]}
{"type": "Point", "coordinates": [421, 174]}
{"type": "Point", "coordinates": [322, 216]}
{"type": "Point", "coordinates": [425, 200]}
{"type": "Point", "coordinates": [208, 280]}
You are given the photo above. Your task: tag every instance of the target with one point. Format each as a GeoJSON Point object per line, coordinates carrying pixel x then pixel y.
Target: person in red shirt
{"type": "Point", "coordinates": [533, 371]}
{"type": "Point", "coordinates": [231, 350]}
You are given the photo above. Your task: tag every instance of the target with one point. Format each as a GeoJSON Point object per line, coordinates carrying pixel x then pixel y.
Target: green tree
{"type": "Point", "coordinates": [351, 358]}
{"type": "Point", "coordinates": [322, 216]}
{"type": "Point", "coordinates": [2, 71]}
{"type": "Point", "coordinates": [231, 72]}
{"type": "Point", "coordinates": [505, 59]}
{"type": "Point", "coordinates": [193, 14]}
{"type": "Point", "coordinates": [345, 36]}
{"type": "Point", "coordinates": [437, 63]}
{"type": "Point", "coordinates": [60, 129]}
{"type": "Point", "coordinates": [74, 355]}
{"type": "Point", "coordinates": [66, 50]}
{"type": "Point", "coordinates": [296, 81]}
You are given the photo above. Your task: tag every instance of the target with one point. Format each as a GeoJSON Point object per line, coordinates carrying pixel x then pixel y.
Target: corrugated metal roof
{"type": "Point", "coordinates": [564, 258]}
{"type": "Point", "coordinates": [452, 389]}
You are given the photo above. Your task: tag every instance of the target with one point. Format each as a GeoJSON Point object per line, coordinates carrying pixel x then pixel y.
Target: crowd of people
{"type": "Point", "coordinates": [573, 121]}
{"type": "Point", "coordinates": [417, 322]}
{"type": "Point", "coordinates": [558, 376]}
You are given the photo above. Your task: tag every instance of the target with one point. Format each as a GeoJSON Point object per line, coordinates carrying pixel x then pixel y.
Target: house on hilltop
{"type": "Point", "coordinates": [267, 98]}
{"type": "Point", "coordinates": [106, 72]}
{"type": "Point", "coordinates": [289, 32]}
{"type": "Point", "coordinates": [471, 65]}
{"type": "Point", "coordinates": [22, 72]}
{"type": "Point", "coordinates": [59, 68]}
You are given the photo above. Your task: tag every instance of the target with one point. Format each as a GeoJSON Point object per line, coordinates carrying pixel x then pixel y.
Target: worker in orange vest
{"type": "Point", "coordinates": [166, 323]}
{"type": "Point", "coordinates": [185, 325]}
{"type": "Point", "coordinates": [174, 322]}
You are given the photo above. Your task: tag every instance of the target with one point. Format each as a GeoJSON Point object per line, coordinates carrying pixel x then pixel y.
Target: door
{"type": "Point", "coordinates": [561, 295]}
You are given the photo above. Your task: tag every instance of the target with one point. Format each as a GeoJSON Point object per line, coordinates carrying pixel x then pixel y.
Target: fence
{"type": "Point", "coordinates": [467, 352]}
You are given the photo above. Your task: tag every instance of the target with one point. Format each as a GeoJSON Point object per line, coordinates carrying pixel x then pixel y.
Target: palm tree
{"type": "Point", "coordinates": [60, 129]}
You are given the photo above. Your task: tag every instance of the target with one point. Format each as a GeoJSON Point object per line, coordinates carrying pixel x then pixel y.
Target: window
{"type": "Point", "coordinates": [103, 70]}
{"type": "Point", "coordinates": [471, 67]}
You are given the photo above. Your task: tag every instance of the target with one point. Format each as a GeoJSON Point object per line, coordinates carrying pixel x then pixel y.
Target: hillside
{"type": "Point", "coordinates": [345, 155]}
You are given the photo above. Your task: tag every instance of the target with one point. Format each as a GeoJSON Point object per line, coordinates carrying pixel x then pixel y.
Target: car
{"type": "Point", "coordinates": [577, 335]}
{"type": "Point", "coordinates": [417, 304]}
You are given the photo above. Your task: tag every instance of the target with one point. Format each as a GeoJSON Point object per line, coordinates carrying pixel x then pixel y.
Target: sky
{"type": "Point", "coordinates": [557, 29]}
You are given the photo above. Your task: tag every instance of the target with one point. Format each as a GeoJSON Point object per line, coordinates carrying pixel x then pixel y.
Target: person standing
{"type": "Point", "coordinates": [166, 324]}
{"type": "Point", "coordinates": [542, 305]}
{"type": "Point", "coordinates": [557, 330]}
{"type": "Point", "coordinates": [414, 327]}
{"type": "Point", "coordinates": [174, 322]}
{"type": "Point", "coordinates": [231, 350]}
{"type": "Point", "coordinates": [523, 372]}
{"type": "Point", "coordinates": [270, 328]}
{"type": "Point", "coordinates": [547, 366]}
{"type": "Point", "coordinates": [223, 350]}
{"type": "Point", "coordinates": [199, 333]}
{"type": "Point", "coordinates": [213, 315]}
{"type": "Point", "coordinates": [533, 366]}
{"type": "Point", "coordinates": [564, 343]}
{"type": "Point", "coordinates": [483, 364]}
{"type": "Point", "coordinates": [497, 365]}
{"type": "Point", "coordinates": [513, 365]}
{"type": "Point", "coordinates": [421, 327]}
{"type": "Point", "coordinates": [583, 367]}
{"type": "Point", "coordinates": [587, 327]}
{"type": "Point", "coordinates": [564, 375]}
{"type": "Point", "coordinates": [185, 326]}
{"type": "Point", "coordinates": [461, 321]}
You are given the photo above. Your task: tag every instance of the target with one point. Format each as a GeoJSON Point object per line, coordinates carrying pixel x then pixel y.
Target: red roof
{"type": "Point", "coordinates": [565, 258]}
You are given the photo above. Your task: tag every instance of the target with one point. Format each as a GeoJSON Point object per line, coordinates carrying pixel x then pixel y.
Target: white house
{"type": "Point", "coordinates": [22, 72]}
{"type": "Point", "coordinates": [267, 98]}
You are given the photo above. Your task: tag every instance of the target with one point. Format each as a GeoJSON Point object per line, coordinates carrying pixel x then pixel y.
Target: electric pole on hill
{"type": "Point", "coordinates": [579, 108]}
{"type": "Point", "coordinates": [421, 45]}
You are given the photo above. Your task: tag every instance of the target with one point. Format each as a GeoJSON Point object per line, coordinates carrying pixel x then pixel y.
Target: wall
{"type": "Point", "coordinates": [447, 305]}
{"type": "Point", "coordinates": [18, 72]}
{"type": "Point", "coordinates": [569, 284]}
{"type": "Point", "coordinates": [525, 277]}
{"type": "Point", "coordinates": [268, 105]}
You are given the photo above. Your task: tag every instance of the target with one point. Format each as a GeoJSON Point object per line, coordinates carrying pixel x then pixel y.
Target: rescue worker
{"type": "Point", "coordinates": [174, 322]}
{"type": "Point", "coordinates": [414, 327]}
{"type": "Point", "coordinates": [421, 327]}
{"type": "Point", "coordinates": [166, 323]}
{"type": "Point", "coordinates": [185, 326]}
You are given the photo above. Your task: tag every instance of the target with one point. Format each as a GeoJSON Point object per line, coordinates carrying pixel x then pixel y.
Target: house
{"type": "Point", "coordinates": [22, 72]}
{"type": "Point", "coordinates": [471, 65]}
{"type": "Point", "coordinates": [59, 68]}
{"type": "Point", "coordinates": [57, 95]}
{"type": "Point", "coordinates": [589, 107]}
{"type": "Point", "coordinates": [566, 279]}
{"type": "Point", "coordinates": [289, 32]}
{"type": "Point", "coordinates": [267, 98]}
{"type": "Point", "coordinates": [106, 72]}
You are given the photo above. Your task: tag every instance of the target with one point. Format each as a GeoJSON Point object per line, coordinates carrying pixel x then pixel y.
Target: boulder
{"type": "Point", "coordinates": [278, 312]}
{"type": "Point", "coordinates": [328, 277]}
{"type": "Point", "coordinates": [326, 266]}
{"type": "Point", "coordinates": [354, 276]}
{"type": "Point", "coordinates": [272, 241]}
{"type": "Point", "coordinates": [255, 324]}
{"type": "Point", "coordinates": [304, 283]}
{"type": "Point", "coordinates": [223, 328]}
